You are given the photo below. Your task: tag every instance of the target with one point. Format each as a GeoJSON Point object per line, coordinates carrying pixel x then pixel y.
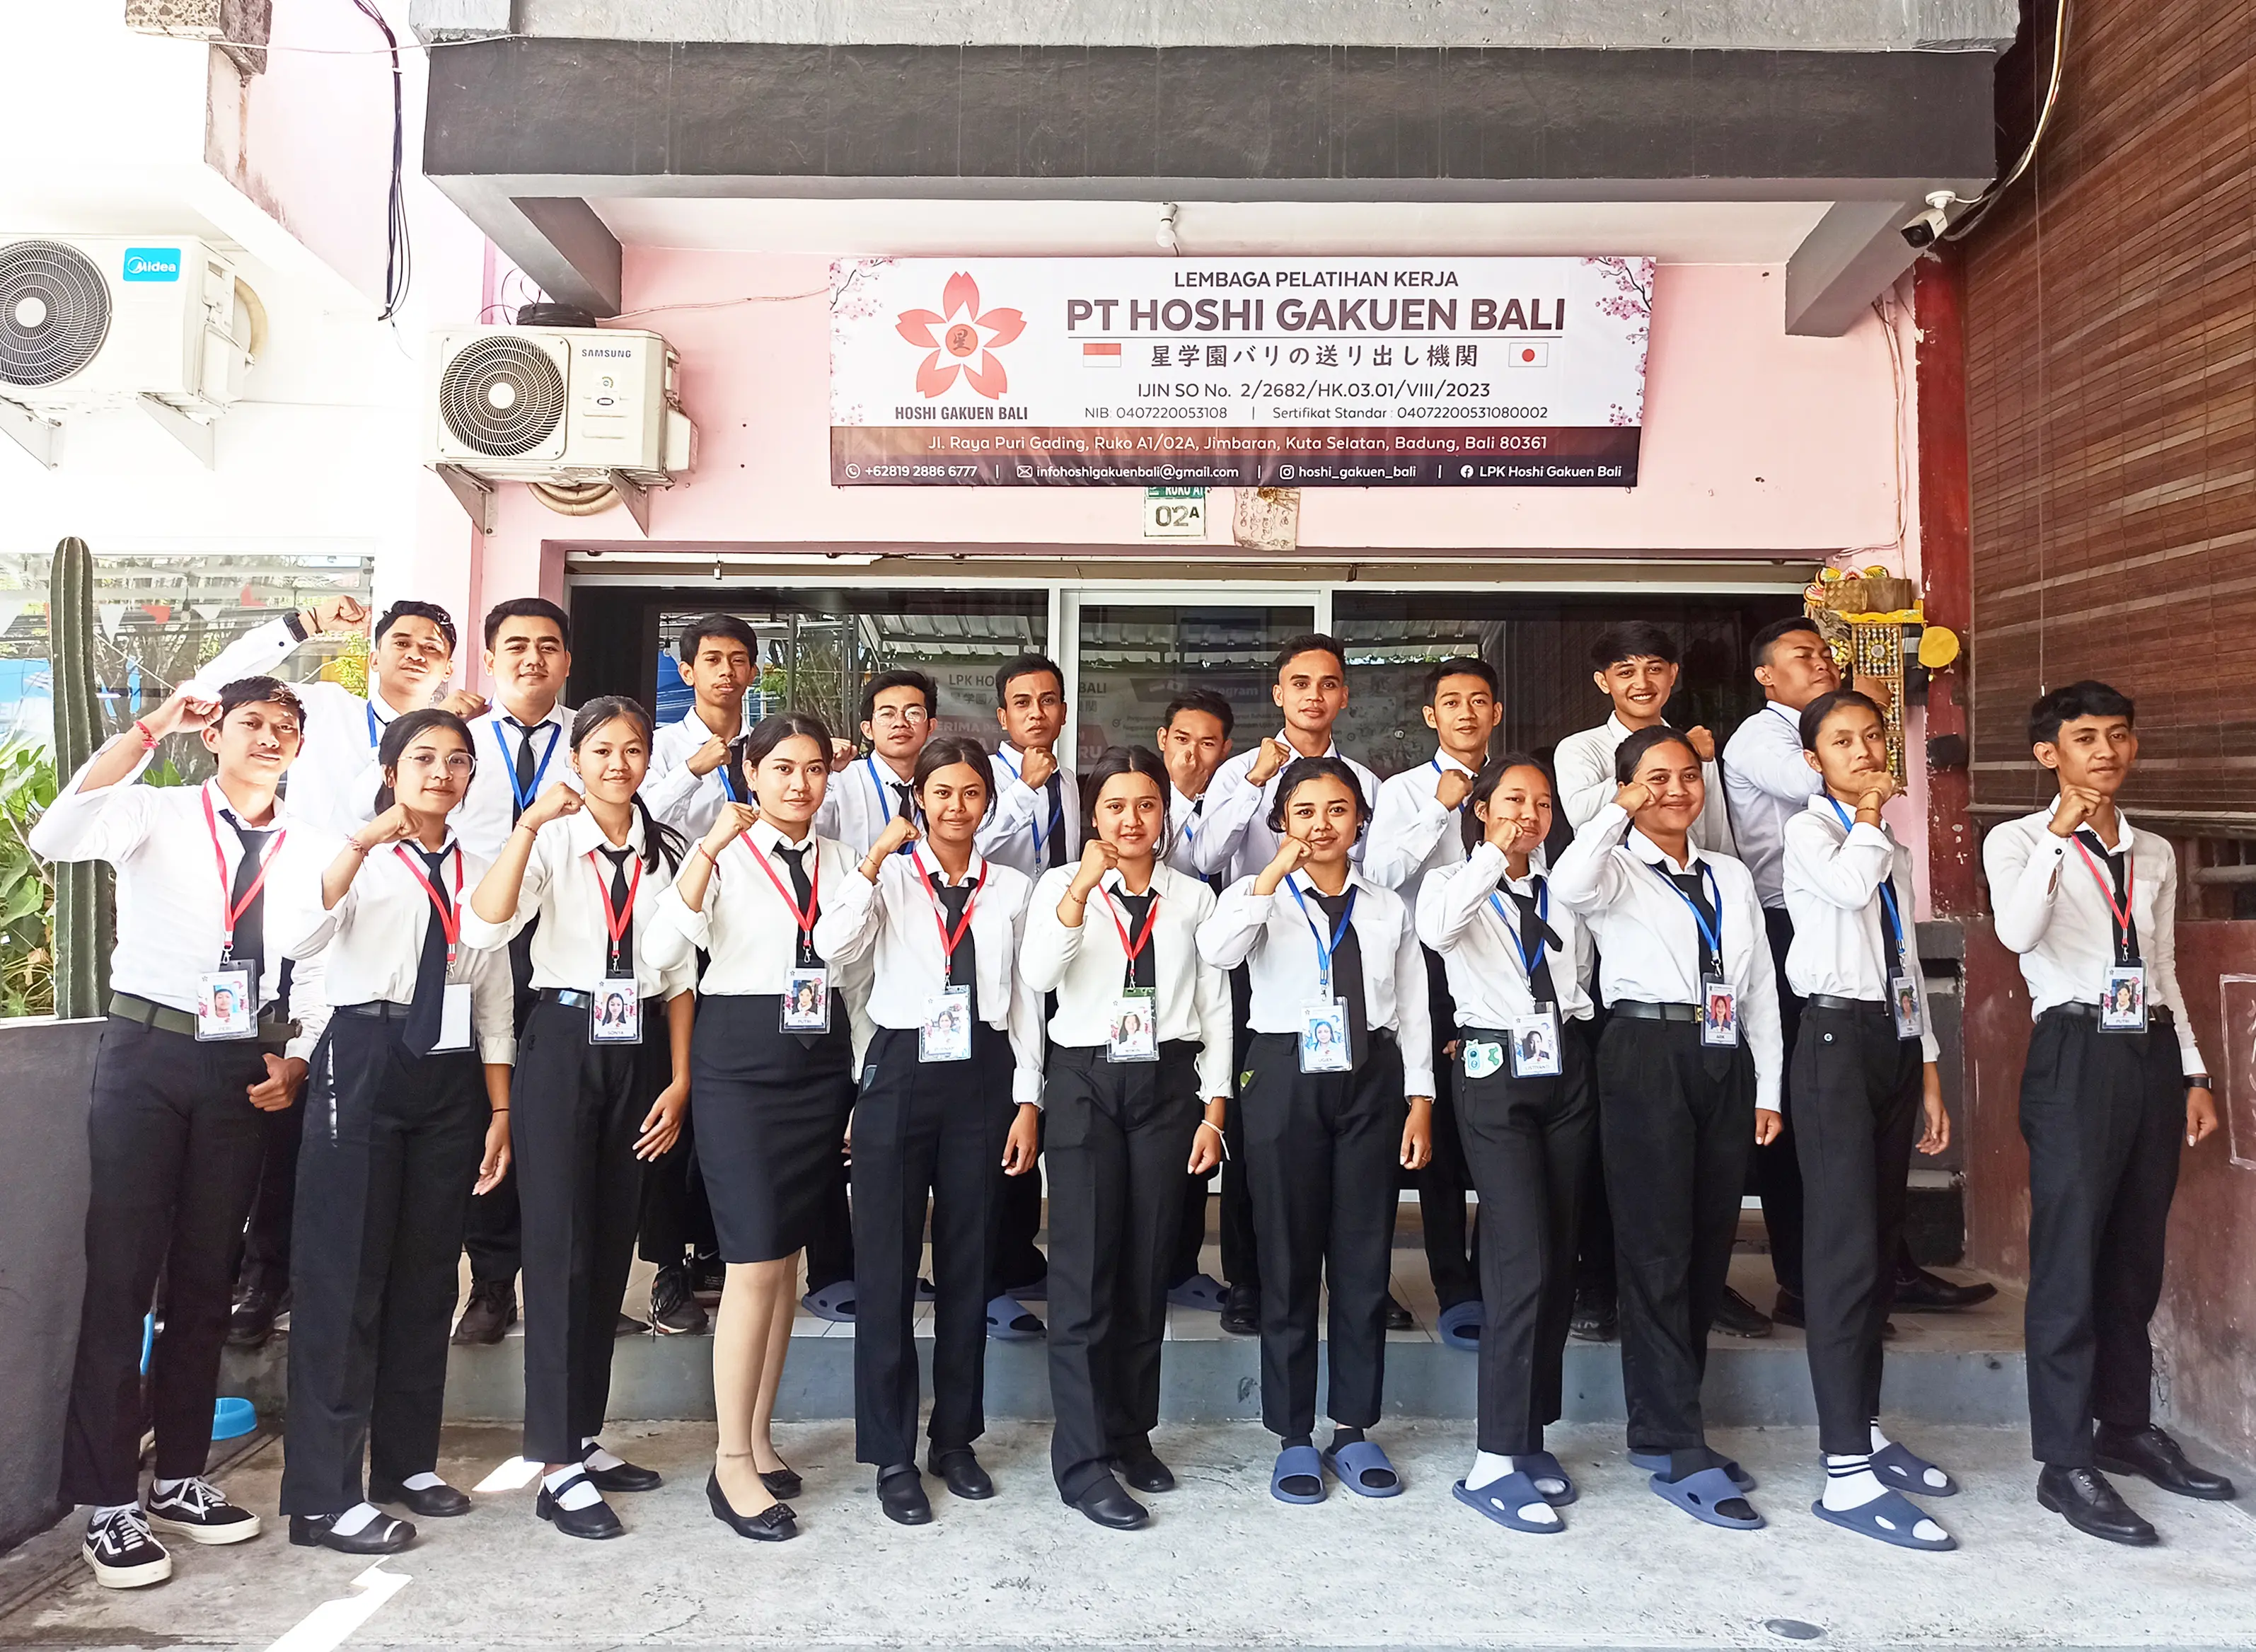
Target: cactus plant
{"type": "Point", "coordinates": [83, 889]}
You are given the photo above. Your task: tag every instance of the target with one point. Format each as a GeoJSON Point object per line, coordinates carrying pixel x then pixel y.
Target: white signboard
{"type": "Point", "coordinates": [1174, 513]}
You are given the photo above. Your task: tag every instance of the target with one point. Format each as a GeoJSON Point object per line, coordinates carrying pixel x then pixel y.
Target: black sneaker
{"type": "Point", "coordinates": [709, 1274]}
{"type": "Point", "coordinates": [1736, 1316]}
{"type": "Point", "coordinates": [673, 1309]}
{"type": "Point", "coordinates": [199, 1511]}
{"type": "Point", "coordinates": [252, 1322]}
{"type": "Point", "coordinates": [123, 1553]}
{"type": "Point", "coordinates": [491, 1311]}
{"type": "Point", "coordinates": [1597, 1318]}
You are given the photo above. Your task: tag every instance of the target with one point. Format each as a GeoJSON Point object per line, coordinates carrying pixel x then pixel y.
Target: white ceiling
{"type": "Point", "coordinates": [1675, 231]}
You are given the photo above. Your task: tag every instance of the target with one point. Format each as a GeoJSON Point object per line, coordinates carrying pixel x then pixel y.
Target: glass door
{"type": "Point", "coordinates": [1133, 651]}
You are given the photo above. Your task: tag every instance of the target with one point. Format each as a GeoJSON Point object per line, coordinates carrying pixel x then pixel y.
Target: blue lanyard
{"type": "Point", "coordinates": [1325, 949]}
{"type": "Point", "coordinates": [1714, 937]}
{"type": "Point", "coordinates": [524, 799]}
{"type": "Point", "coordinates": [1529, 957]}
{"type": "Point", "coordinates": [375, 729]}
{"type": "Point", "coordinates": [728, 781]}
{"type": "Point", "coordinates": [1890, 915]}
{"type": "Point", "coordinates": [1057, 809]}
{"type": "Point", "coordinates": [886, 811]}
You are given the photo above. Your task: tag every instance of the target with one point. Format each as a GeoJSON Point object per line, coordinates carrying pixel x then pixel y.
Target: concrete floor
{"type": "Point", "coordinates": [1223, 1566]}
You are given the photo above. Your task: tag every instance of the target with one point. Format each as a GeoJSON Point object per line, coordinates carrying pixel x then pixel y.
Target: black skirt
{"type": "Point", "coordinates": [770, 1110]}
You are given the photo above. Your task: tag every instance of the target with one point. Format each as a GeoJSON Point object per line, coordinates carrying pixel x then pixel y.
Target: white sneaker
{"type": "Point", "coordinates": [123, 1553]}
{"type": "Point", "coordinates": [199, 1511]}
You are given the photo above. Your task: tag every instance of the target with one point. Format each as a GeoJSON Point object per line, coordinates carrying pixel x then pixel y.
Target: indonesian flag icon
{"type": "Point", "coordinates": [1527, 352]}
{"type": "Point", "coordinates": [1097, 352]}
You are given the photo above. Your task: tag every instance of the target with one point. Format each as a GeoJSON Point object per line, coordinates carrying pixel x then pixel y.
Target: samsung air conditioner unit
{"type": "Point", "coordinates": [556, 404]}
{"type": "Point", "coordinates": [90, 322]}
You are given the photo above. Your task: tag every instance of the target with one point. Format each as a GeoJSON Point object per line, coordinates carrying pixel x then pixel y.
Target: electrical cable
{"type": "Point", "coordinates": [399, 255]}
{"type": "Point", "coordinates": [1977, 208]}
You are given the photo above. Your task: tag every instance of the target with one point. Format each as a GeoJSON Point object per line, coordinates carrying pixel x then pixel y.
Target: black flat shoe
{"type": "Point", "coordinates": [1108, 1506]}
{"type": "Point", "coordinates": [1595, 1319]}
{"type": "Point", "coordinates": [1788, 1309]}
{"type": "Point", "coordinates": [1920, 1291]}
{"type": "Point", "coordinates": [1398, 1316]}
{"type": "Point", "coordinates": [2084, 1498]}
{"type": "Point", "coordinates": [2153, 1455]}
{"type": "Point", "coordinates": [596, 1520]}
{"type": "Point", "coordinates": [430, 1502]}
{"type": "Point", "coordinates": [626, 1477]}
{"type": "Point", "coordinates": [1736, 1316]}
{"type": "Point", "coordinates": [1241, 1311]}
{"type": "Point", "coordinates": [771, 1525]}
{"type": "Point", "coordinates": [1145, 1473]}
{"type": "Point", "coordinates": [900, 1493]}
{"type": "Point", "coordinates": [959, 1472]}
{"type": "Point", "coordinates": [382, 1536]}
{"type": "Point", "coordinates": [782, 1482]}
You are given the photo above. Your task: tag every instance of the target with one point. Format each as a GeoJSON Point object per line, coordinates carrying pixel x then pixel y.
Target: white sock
{"type": "Point", "coordinates": [1849, 1483]}
{"type": "Point", "coordinates": [1490, 1466]}
{"type": "Point", "coordinates": [165, 1488]}
{"type": "Point", "coordinates": [583, 1493]}
{"type": "Point", "coordinates": [595, 1456]}
{"type": "Point", "coordinates": [1931, 1479]}
{"type": "Point", "coordinates": [1880, 1442]}
{"type": "Point", "coordinates": [422, 1482]}
{"type": "Point", "coordinates": [354, 1518]}
{"type": "Point", "coordinates": [107, 1511]}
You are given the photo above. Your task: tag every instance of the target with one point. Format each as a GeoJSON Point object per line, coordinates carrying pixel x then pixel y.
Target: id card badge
{"type": "Point", "coordinates": [2123, 999]}
{"type": "Point", "coordinates": [806, 1001]}
{"type": "Point", "coordinates": [227, 1005]}
{"type": "Point", "coordinates": [1719, 1014]}
{"type": "Point", "coordinates": [616, 1016]}
{"type": "Point", "coordinates": [1482, 1058]}
{"type": "Point", "coordinates": [1535, 1043]}
{"type": "Point", "coordinates": [1135, 1034]}
{"type": "Point", "coordinates": [1323, 1038]}
{"type": "Point", "coordinates": [453, 1018]}
{"type": "Point", "coordinates": [946, 1035]}
{"type": "Point", "coordinates": [1903, 1003]}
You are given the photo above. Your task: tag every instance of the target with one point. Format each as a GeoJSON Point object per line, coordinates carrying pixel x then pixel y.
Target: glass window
{"type": "Point", "coordinates": [1134, 659]}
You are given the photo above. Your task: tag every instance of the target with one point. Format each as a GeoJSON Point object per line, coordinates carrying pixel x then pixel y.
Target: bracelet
{"type": "Point", "coordinates": [1207, 1124]}
{"type": "Point", "coordinates": [700, 847]}
{"type": "Point", "coordinates": [148, 740]}
{"type": "Point", "coordinates": [501, 1112]}
{"type": "Point", "coordinates": [2197, 1081]}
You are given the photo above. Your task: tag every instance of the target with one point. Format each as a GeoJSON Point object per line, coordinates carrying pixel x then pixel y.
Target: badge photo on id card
{"type": "Point", "coordinates": [1135, 1034]}
{"type": "Point", "coordinates": [1903, 1001]}
{"type": "Point", "coordinates": [1719, 1014]}
{"type": "Point", "coordinates": [226, 1005]}
{"type": "Point", "coordinates": [806, 1001]}
{"type": "Point", "coordinates": [946, 1035]}
{"type": "Point", "coordinates": [1323, 1038]}
{"type": "Point", "coordinates": [2123, 999]}
{"type": "Point", "coordinates": [616, 1017]}
{"type": "Point", "coordinates": [1535, 1044]}
{"type": "Point", "coordinates": [453, 1018]}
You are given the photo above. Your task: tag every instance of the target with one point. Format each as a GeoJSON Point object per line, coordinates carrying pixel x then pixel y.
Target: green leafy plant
{"type": "Point", "coordinates": [27, 894]}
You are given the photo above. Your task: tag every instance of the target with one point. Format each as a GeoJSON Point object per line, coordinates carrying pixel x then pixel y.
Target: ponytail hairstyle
{"type": "Point", "coordinates": [749, 750]}
{"type": "Point", "coordinates": [1631, 751]}
{"type": "Point", "coordinates": [400, 734]}
{"type": "Point", "coordinates": [659, 841]}
{"type": "Point", "coordinates": [1115, 761]}
{"type": "Point", "coordinates": [1483, 789]}
{"type": "Point", "coordinates": [1301, 770]}
{"type": "Point", "coordinates": [945, 751]}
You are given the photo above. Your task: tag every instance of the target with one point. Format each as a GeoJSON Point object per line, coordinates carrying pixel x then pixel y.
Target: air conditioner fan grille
{"type": "Point", "coordinates": [501, 396]}
{"type": "Point", "coordinates": [54, 312]}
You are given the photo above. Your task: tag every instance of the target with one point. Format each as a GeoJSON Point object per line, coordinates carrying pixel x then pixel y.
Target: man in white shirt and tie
{"type": "Point", "coordinates": [690, 776]}
{"type": "Point", "coordinates": [899, 710]}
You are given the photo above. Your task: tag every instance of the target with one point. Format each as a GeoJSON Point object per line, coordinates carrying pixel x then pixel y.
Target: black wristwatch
{"type": "Point", "coordinates": [295, 625]}
{"type": "Point", "coordinates": [2198, 1081]}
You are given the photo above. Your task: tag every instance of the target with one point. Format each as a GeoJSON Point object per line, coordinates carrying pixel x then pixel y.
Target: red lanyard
{"type": "Point", "coordinates": [950, 943]}
{"type": "Point", "coordinates": [805, 919]}
{"type": "Point", "coordinates": [616, 919]}
{"type": "Point", "coordinates": [1134, 949]}
{"type": "Point", "coordinates": [450, 918]}
{"type": "Point", "coordinates": [234, 909]}
{"type": "Point", "coordinates": [2122, 914]}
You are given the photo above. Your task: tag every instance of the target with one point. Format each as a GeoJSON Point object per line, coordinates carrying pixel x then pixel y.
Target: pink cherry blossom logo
{"type": "Point", "coordinates": [965, 342]}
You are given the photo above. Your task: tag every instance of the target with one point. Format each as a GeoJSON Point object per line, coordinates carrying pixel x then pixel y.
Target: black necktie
{"type": "Point", "coordinates": [2118, 864]}
{"type": "Point", "coordinates": [526, 771]}
{"type": "Point", "coordinates": [424, 1013]}
{"type": "Point", "coordinates": [1145, 970]}
{"type": "Point", "coordinates": [1531, 927]}
{"type": "Point", "coordinates": [619, 960]}
{"type": "Point", "coordinates": [1711, 967]}
{"type": "Point", "coordinates": [1054, 845]}
{"type": "Point", "coordinates": [1216, 881]}
{"type": "Point", "coordinates": [802, 890]}
{"type": "Point", "coordinates": [962, 963]}
{"type": "Point", "coordinates": [901, 806]}
{"type": "Point", "coordinates": [249, 944]}
{"type": "Point", "coordinates": [1347, 971]}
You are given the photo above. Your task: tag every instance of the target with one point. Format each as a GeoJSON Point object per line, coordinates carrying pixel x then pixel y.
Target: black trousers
{"type": "Point", "coordinates": [494, 1236]}
{"type": "Point", "coordinates": [675, 1218]}
{"type": "Point", "coordinates": [273, 1208]}
{"type": "Point", "coordinates": [1778, 1171]}
{"type": "Point", "coordinates": [1014, 1255]}
{"type": "Point", "coordinates": [2104, 1115]}
{"type": "Point", "coordinates": [1190, 1227]}
{"type": "Point", "coordinates": [1594, 1235]}
{"type": "Point", "coordinates": [1678, 1121]}
{"type": "Point", "coordinates": [1323, 1151]}
{"type": "Point", "coordinates": [1445, 1179]}
{"type": "Point", "coordinates": [1527, 1142]}
{"type": "Point", "coordinates": [1119, 1135]}
{"type": "Point", "coordinates": [830, 1247]}
{"type": "Point", "coordinates": [927, 1137]}
{"type": "Point", "coordinates": [576, 1109]}
{"type": "Point", "coordinates": [174, 1144]}
{"type": "Point", "coordinates": [1858, 1088]}
{"type": "Point", "coordinates": [384, 1177]}
{"type": "Point", "coordinates": [1241, 1248]}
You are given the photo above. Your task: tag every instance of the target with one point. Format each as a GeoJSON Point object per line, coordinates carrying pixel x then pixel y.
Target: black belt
{"type": "Point", "coordinates": [1638, 1011]}
{"type": "Point", "coordinates": [166, 1019]}
{"type": "Point", "coordinates": [2160, 1015]}
{"type": "Point", "coordinates": [570, 998]}
{"type": "Point", "coordinates": [378, 1009]}
{"type": "Point", "coordinates": [1832, 1001]}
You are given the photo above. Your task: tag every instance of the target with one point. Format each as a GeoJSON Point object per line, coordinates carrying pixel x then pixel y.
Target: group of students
{"type": "Point", "coordinates": [880, 986]}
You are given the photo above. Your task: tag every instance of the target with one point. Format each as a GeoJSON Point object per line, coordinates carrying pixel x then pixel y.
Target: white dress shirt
{"type": "Point", "coordinates": [488, 812]}
{"type": "Point", "coordinates": [1017, 831]}
{"type": "Point", "coordinates": [1086, 966]}
{"type": "Point", "coordinates": [1235, 840]}
{"type": "Point", "coordinates": [1768, 783]}
{"type": "Point", "coordinates": [1584, 765]}
{"type": "Point", "coordinates": [2049, 909]}
{"type": "Point", "coordinates": [1648, 941]}
{"type": "Point", "coordinates": [1186, 820]}
{"type": "Point", "coordinates": [1840, 946]}
{"type": "Point", "coordinates": [372, 941]}
{"type": "Point", "coordinates": [170, 905]}
{"type": "Point", "coordinates": [565, 884]}
{"type": "Point", "coordinates": [1411, 834]}
{"type": "Point", "coordinates": [860, 802]}
{"type": "Point", "coordinates": [1458, 916]}
{"type": "Point", "coordinates": [687, 801]}
{"type": "Point", "coordinates": [895, 921]}
{"type": "Point", "coordinates": [1277, 943]}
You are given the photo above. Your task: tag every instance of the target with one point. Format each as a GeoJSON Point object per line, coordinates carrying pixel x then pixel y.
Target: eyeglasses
{"type": "Point", "coordinates": [911, 715]}
{"type": "Point", "coordinates": [455, 762]}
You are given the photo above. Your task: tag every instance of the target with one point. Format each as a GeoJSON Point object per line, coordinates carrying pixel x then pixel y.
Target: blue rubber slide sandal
{"type": "Point", "coordinates": [1202, 1291]}
{"type": "Point", "coordinates": [1297, 1463]}
{"type": "Point", "coordinates": [1891, 1517]}
{"type": "Point", "coordinates": [1501, 1500]}
{"type": "Point", "coordinates": [1362, 1468]}
{"type": "Point", "coordinates": [1657, 1463]}
{"type": "Point", "coordinates": [834, 1301]}
{"type": "Point", "coordinates": [1547, 1472]}
{"type": "Point", "coordinates": [1702, 1495]}
{"type": "Point", "coordinates": [1008, 1322]}
{"type": "Point", "coordinates": [1460, 1325]}
{"type": "Point", "coordinates": [1907, 1471]}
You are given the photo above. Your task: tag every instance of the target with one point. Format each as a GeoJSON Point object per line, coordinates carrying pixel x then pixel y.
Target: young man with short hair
{"type": "Point", "coordinates": [208, 879]}
{"type": "Point", "coordinates": [1036, 821]}
{"type": "Point", "coordinates": [901, 708]}
{"type": "Point", "coordinates": [2114, 1085]}
{"type": "Point", "coordinates": [689, 778]}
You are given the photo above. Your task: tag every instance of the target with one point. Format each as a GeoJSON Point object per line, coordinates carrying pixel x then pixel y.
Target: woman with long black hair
{"type": "Point", "coordinates": [409, 1103]}
{"type": "Point", "coordinates": [771, 1080]}
{"type": "Point", "coordinates": [602, 1078]}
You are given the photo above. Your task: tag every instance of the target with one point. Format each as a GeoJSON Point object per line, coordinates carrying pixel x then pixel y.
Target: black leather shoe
{"type": "Point", "coordinates": [959, 1472]}
{"type": "Point", "coordinates": [782, 1482]}
{"type": "Point", "coordinates": [1241, 1311]}
{"type": "Point", "coordinates": [491, 1311]}
{"type": "Point", "coordinates": [596, 1520]}
{"type": "Point", "coordinates": [627, 1476]}
{"type": "Point", "coordinates": [2150, 1453]}
{"type": "Point", "coordinates": [900, 1493]}
{"type": "Point", "coordinates": [1398, 1316]}
{"type": "Point", "coordinates": [382, 1536]}
{"type": "Point", "coordinates": [2089, 1503]}
{"type": "Point", "coordinates": [252, 1322]}
{"type": "Point", "coordinates": [1108, 1505]}
{"type": "Point", "coordinates": [441, 1502]}
{"type": "Point", "coordinates": [1736, 1316]}
{"type": "Point", "coordinates": [771, 1525]}
{"type": "Point", "coordinates": [1145, 1472]}
{"type": "Point", "coordinates": [1787, 1310]}
{"type": "Point", "coordinates": [1922, 1292]}
{"type": "Point", "coordinates": [1597, 1318]}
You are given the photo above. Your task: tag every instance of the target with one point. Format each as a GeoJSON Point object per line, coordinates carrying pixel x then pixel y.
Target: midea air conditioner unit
{"type": "Point", "coordinates": [90, 322]}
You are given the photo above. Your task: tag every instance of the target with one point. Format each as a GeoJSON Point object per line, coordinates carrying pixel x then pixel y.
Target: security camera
{"type": "Point", "coordinates": [1922, 231]}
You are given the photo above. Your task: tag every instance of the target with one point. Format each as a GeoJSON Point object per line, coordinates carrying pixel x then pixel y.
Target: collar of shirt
{"type": "Point", "coordinates": [929, 867]}
{"type": "Point", "coordinates": [1114, 882]}
{"type": "Point", "coordinates": [1651, 853]}
{"type": "Point", "coordinates": [1178, 801]}
{"type": "Point", "coordinates": [1307, 884]}
{"type": "Point", "coordinates": [1821, 804]}
{"type": "Point", "coordinates": [1284, 738]}
{"type": "Point", "coordinates": [770, 838]}
{"type": "Point", "coordinates": [1444, 762]}
{"type": "Point", "coordinates": [278, 817]}
{"type": "Point", "coordinates": [692, 729]}
{"type": "Point", "coordinates": [1792, 717]}
{"type": "Point", "coordinates": [582, 835]}
{"type": "Point", "coordinates": [383, 709]}
{"type": "Point", "coordinates": [502, 717]}
{"type": "Point", "coordinates": [1015, 760]}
